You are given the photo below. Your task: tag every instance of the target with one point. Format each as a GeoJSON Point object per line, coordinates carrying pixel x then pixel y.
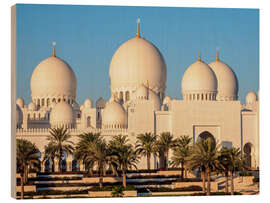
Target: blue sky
{"type": "Point", "coordinates": [87, 36]}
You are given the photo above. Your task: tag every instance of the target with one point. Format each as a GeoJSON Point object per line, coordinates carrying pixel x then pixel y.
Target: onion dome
{"type": "Point", "coordinates": [167, 100]}
{"type": "Point", "coordinates": [62, 115]}
{"type": "Point", "coordinates": [114, 115]}
{"type": "Point", "coordinates": [251, 97]}
{"type": "Point", "coordinates": [88, 103]}
{"type": "Point", "coordinates": [137, 61]}
{"type": "Point", "coordinates": [227, 84]}
{"type": "Point", "coordinates": [32, 106]}
{"type": "Point", "coordinates": [199, 82]}
{"type": "Point", "coordinates": [100, 103]}
{"type": "Point", "coordinates": [20, 102]}
{"type": "Point", "coordinates": [53, 78]}
{"type": "Point", "coordinates": [75, 106]}
{"type": "Point", "coordinates": [19, 116]}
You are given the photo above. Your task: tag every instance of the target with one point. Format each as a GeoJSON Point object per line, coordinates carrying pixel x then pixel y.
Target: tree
{"type": "Point", "coordinates": [127, 158]}
{"type": "Point", "coordinates": [27, 155]}
{"type": "Point", "coordinates": [235, 162]}
{"type": "Point", "coordinates": [181, 153]}
{"type": "Point", "coordinates": [145, 146]}
{"type": "Point", "coordinates": [94, 152]}
{"type": "Point", "coordinates": [223, 165]}
{"type": "Point", "coordinates": [164, 143]}
{"type": "Point", "coordinates": [59, 141]}
{"type": "Point", "coordinates": [50, 151]}
{"type": "Point", "coordinates": [204, 156]}
{"type": "Point", "coordinates": [124, 155]}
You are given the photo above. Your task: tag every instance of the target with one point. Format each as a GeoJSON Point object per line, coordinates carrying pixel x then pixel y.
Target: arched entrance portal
{"type": "Point", "coordinates": [247, 151]}
{"type": "Point", "coordinates": [205, 135]}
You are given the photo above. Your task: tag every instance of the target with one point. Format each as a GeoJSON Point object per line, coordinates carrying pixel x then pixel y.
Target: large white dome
{"type": "Point", "coordinates": [136, 62]}
{"type": "Point", "coordinates": [114, 115]}
{"type": "Point", "coordinates": [199, 82]}
{"type": "Point", "coordinates": [53, 79]}
{"type": "Point", "coordinates": [226, 79]}
{"type": "Point", "coordinates": [62, 115]}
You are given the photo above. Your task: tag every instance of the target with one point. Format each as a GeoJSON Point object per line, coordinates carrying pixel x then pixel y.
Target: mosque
{"type": "Point", "coordinates": [138, 74]}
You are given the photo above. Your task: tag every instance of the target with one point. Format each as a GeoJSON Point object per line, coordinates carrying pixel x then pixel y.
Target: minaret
{"type": "Point", "coordinates": [138, 27]}
{"type": "Point", "coordinates": [54, 44]}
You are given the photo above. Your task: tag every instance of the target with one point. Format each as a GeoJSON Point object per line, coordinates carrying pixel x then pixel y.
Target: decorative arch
{"type": "Point", "coordinates": [206, 135]}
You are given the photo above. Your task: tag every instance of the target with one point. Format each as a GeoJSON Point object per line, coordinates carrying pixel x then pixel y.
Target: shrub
{"type": "Point", "coordinates": [245, 173]}
{"type": "Point", "coordinates": [118, 191]}
{"type": "Point", "coordinates": [256, 180]}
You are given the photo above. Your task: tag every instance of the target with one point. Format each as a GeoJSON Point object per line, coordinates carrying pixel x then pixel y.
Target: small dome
{"type": "Point", "coordinates": [199, 81]}
{"type": "Point", "coordinates": [251, 97]}
{"type": "Point", "coordinates": [88, 103]}
{"type": "Point", "coordinates": [20, 102]}
{"type": "Point", "coordinates": [62, 115]}
{"type": "Point", "coordinates": [227, 83]}
{"type": "Point", "coordinates": [137, 61]}
{"type": "Point", "coordinates": [155, 98]}
{"type": "Point", "coordinates": [19, 115]}
{"type": "Point", "coordinates": [114, 115]}
{"type": "Point", "coordinates": [32, 106]}
{"type": "Point", "coordinates": [82, 107]}
{"type": "Point", "coordinates": [100, 103]}
{"type": "Point", "coordinates": [45, 81]}
{"type": "Point", "coordinates": [167, 100]}
{"type": "Point", "coordinates": [142, 92]}
{"type": "Point", "coordinates": [75, 106]}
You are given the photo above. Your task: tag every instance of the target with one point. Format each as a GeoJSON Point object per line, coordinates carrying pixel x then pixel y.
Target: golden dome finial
{"type": "Point", "coordinates": [217, 56]}
{"type": "Point", "coordinates": [138, 27]}
{"type": "Point", "coordinates": [54, 44]}
{"type": "Point", "coordinates": [199, 56]}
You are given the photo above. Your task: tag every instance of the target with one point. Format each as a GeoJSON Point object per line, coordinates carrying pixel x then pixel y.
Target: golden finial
{"type": "Point", "coordinates": [54, 43]}
{"type": "Point", "coordinates": [199, 57]}
{"type": "Point", "coordinates": [217, 57]}
{"type": "Point", "coordinates": [138, 27]}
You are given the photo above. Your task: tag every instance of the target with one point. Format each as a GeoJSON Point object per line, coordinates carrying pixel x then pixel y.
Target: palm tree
{"type": "Point", "coordinates": [145, 146]}
{"type": "Point", "coordinates": [82, 150]}
{"type": "Point", "coordinates": [27, 155]}
{"type": "Point", "coordinates": [181, 153]}
{"type": "Point", "coordinates": [223, 165]}
{"type": "Point", "coordinates": [50, 151]}
{"type": "Point", "coordinates": [94, 152]}
{"type": "Point", "coordinates": [59, 140]}
{"type": "Point", "coordinates": [127, 158]}
{"type": "Point", "coordinates": [204, 156]}
{"type": "Point", "coordinates": [235, 162]}
{"type": "Point", "coordinates": [164, 143]}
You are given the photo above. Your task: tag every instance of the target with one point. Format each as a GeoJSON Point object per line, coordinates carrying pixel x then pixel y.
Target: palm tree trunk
{"type": "Point", "coordinates": [53, 165]}
{"type": "Point", "coordinates": [22, 185]}
{"type": "Point", "coordinates": [59, 164]}
{"type": "Point", "coordinates": [232, 185]}
{"type": "Point", "coordinates": [185, 172]}
{"type": "Point", "coordinates": [148, 161]}
{"type": "Point", "coordinates": [227, 183]}
{"type": "Point", "coordinates": [182, 170]}
{"type": "Point", "coordinates": [101, 177]}
{"type": "Point", "coordinates": [124, 179]}
{"type": "Point", "coordinates": [208, 171]}
{"type": "Point", "coordinates": [203, 180]}
{"type": "Point", "coordinates": [166, 159]}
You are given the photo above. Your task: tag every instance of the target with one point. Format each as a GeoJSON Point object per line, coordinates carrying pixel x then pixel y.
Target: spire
{"type": "Point", "coordinates": [199, 57]}
{"type": "Point", "coordinates": [53, 53]}
{"type": "Point", "coordinates": [138, 27]}
{"type": "Point", "coordinates": [217, 57]}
